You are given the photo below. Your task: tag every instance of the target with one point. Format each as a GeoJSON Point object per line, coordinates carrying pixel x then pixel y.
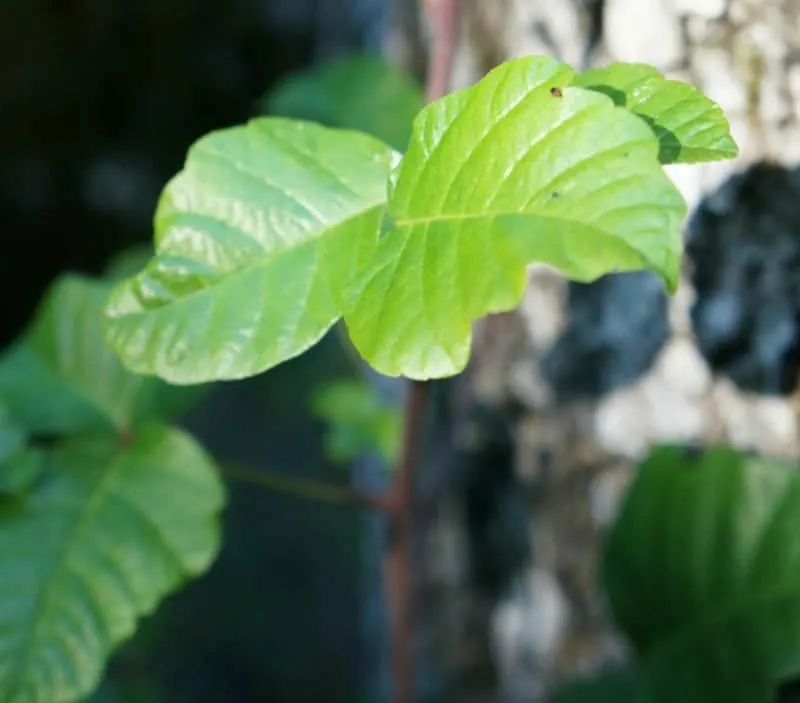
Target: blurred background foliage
{"type": "Point", "coordinates": [100, 103]}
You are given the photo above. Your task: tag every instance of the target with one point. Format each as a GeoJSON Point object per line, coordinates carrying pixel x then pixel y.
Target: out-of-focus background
{"type": "Point", "coordinates": [99, 102]}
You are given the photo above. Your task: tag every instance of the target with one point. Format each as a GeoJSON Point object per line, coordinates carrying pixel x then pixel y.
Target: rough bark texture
{"type": "Point", "coordinates": [595, 375]}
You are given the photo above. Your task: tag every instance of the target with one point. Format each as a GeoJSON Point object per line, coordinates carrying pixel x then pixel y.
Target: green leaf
{"type": "Point", "coordinates": [109, 534]}
{"type": "Point", "coordinates": [255, 240]}
{"type": "Point", "coordinates": [19, 472]}
{"type": "Point", "coordinates": [12, 436]}
{"type": "Point", "coordinates": [19, 466]}
{"type": "Point", "coordinates": [128, 262]}
{"type": "Point", "coordinates": [61, 377]}
{"type": "Point", "coordinates": [702, 569]}
{"type": "Point", "coordinates": [364, 93]}
{"type": "Point", "coordinates": [611, 687]}
{"type": "Point", "coordinates": [358, 421]}
{"type": "Point", "coordinates": [519, 168]}
{"type": "Point", "coordinates": [690, 127]}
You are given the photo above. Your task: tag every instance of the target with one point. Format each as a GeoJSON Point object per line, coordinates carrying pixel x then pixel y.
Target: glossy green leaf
{"type": "Point", "coordinates": [690, 127]}
{"type": "Point", "coordinates": [107, 535]}
{"type": "Point", "coordinates": [702, 569]}
{"type": "Point", "coordinates": [358, 421]}
{"type": "Point", "coordinates": [519, 168]}
{"type": "Point", "coordinates": [366, 93]}
{"type": "Point", "coordinates": [61, 377]}
{"type": "Point", "coordinates": [255, 240]}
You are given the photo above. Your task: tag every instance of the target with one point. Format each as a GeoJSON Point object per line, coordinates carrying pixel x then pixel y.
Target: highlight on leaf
{"type": "Point", "coordinates": [276, 229]}
{"type": "Point", "coordinates": [255, 240]}
{"type": "Point", "coordinates": [496, 177]}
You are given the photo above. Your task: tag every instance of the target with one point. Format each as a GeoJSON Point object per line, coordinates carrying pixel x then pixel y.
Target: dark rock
{"type": "Point", "coordinates": [617, 326]}
{"type": "Point", "coordinates": [744, 249]}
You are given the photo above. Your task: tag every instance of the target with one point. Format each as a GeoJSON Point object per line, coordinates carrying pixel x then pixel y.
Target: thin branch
{"type": "Point", "coordinates": [397, 567]}
{"type": "Point", "coordinates": [443, 15]}
{"type": "Point", "coordinates": [304, 489]}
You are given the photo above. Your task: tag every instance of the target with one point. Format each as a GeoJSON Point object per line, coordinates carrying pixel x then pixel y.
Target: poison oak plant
{"type": "Point", "coordinates": [276, 230]}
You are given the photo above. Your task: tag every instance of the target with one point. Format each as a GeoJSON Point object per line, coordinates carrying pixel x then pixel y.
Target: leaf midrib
{"type": "Point", "coordinates": [459, 217]}
{"type": "Point", "coordinates": [266, 259]}
{"type": "Point", "coordinates": [52, 366]}
{"type": "Point", "coordinates": [45, 597]}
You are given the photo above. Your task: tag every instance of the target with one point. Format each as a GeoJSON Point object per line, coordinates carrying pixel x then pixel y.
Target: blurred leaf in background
{"type": "Point", "coordinates": [103, 521]}
{"type": "Point", "coordinates": [358, 421]}
{"type": "Point", "coordinates": [61, 377]}
{"type": "Point", "coordinates": [702, 569]}
{"type": "Point", "coordinates": [19, 465]}
{"type": "Point", "coordinates": [611, 687]}
{"type": "Point", "coordinates": [364, 93]}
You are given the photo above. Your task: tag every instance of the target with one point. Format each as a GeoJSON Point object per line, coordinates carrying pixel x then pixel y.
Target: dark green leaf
{"type": "Point", "coordinates": [365, 93]}
{"type": "Point", "coordinates": [12, 436]}
{"type": "Point", "coordinates": [703, 572]}
{"type": "Point", "coordinates": [359, 421]}
{"type": "Point", "coordinates": [19, 466]}
{"type": "Point", "coordinates": [617, 687]}
{"type": "Point", "coordinates": [19, 472]}
{"type": "Point", "coordinates": [61, 377]}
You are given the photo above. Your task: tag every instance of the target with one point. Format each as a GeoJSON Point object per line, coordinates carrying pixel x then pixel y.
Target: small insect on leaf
{"type": "Point", "coordinates": [556, 92]}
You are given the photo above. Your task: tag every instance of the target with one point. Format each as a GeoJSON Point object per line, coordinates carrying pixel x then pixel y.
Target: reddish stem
{"type": "Point", "coordinates": [443, 15]}
{"type": "Point", "coordinates": [397, 566]}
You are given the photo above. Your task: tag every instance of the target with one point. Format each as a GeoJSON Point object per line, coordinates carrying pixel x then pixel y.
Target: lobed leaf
{"type": "Point", "coordinates": [519, 168]}
{"type": "Point", "coordinates": [90, 551]}
{"type": "Point", "coordinates": [61, 377]}
{"type": "Point", "coordinates": [702, 569]}
{"type": "Point", "coordinates": [690, 127]}
{"type": "Point", "coordinates": [255, 240]}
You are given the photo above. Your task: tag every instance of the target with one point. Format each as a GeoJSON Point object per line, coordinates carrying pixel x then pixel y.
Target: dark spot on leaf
{"type": "Point", "coordinates": [556, 92]}
{"type": "Point", "coordinates": [555, 194]}
{"type": "Point", "coordinates": [624, 154]}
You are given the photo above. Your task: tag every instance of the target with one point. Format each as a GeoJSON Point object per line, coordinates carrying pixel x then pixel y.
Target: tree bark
{"type": "Point", "coordinates": [586, 379]}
